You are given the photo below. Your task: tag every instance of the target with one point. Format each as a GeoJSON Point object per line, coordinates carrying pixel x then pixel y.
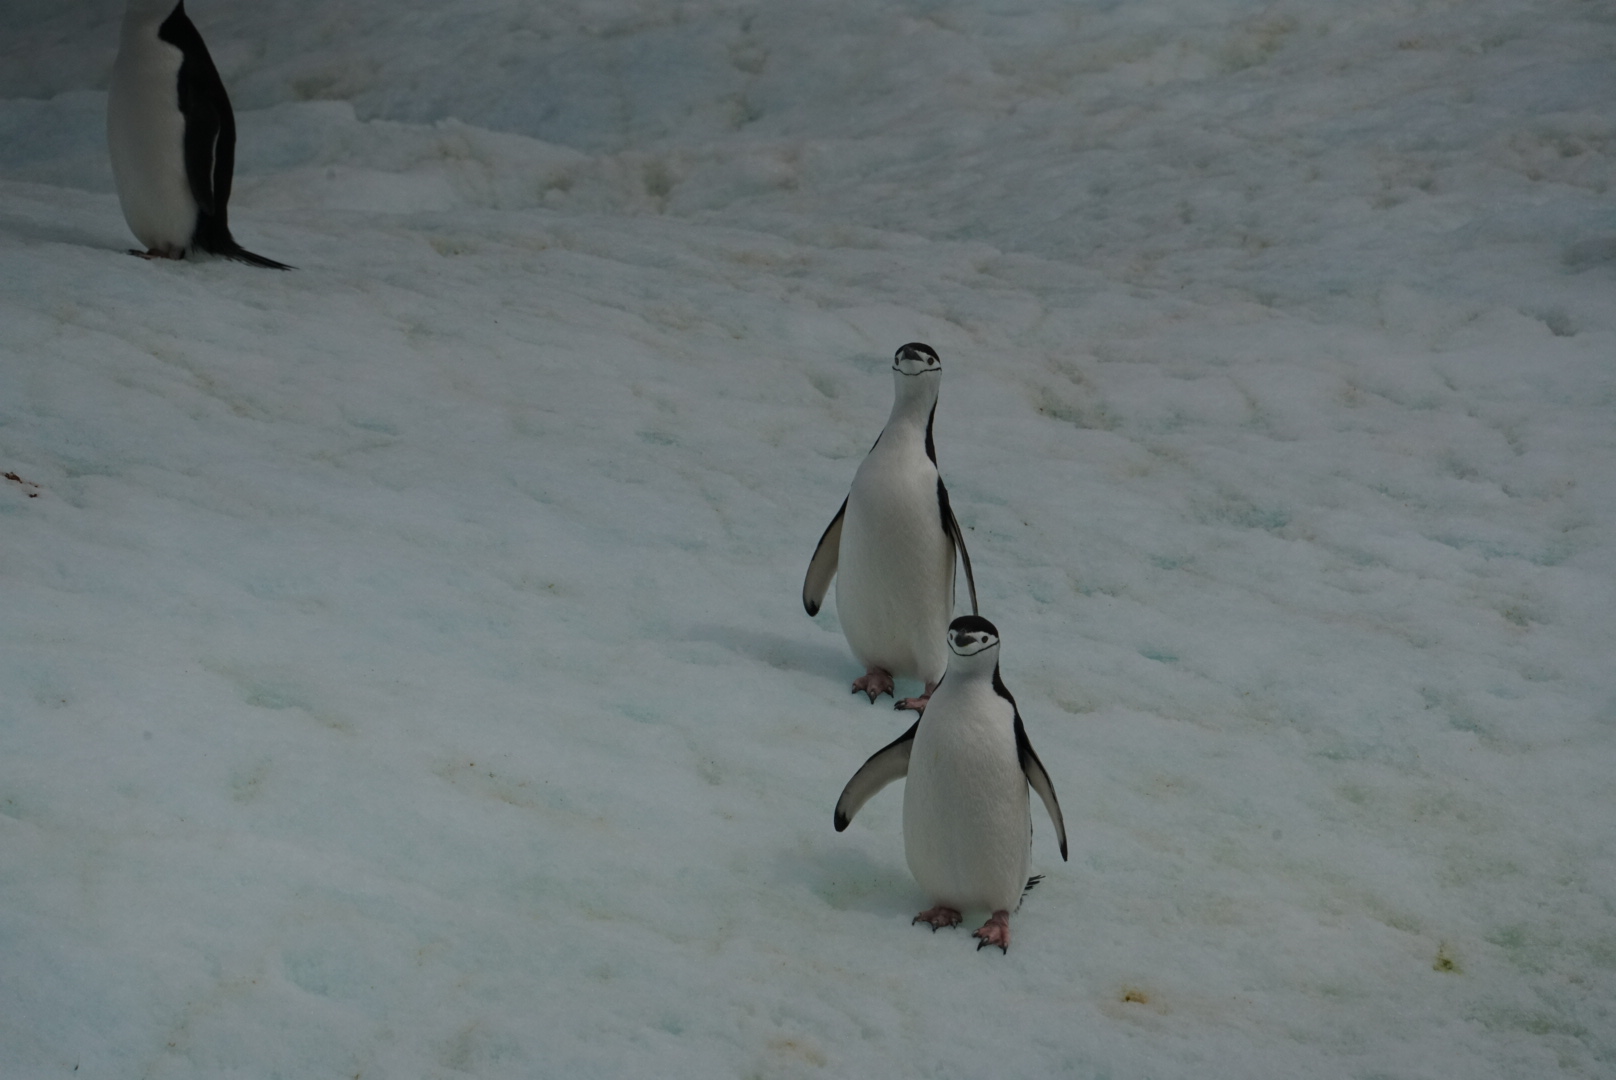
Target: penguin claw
{"type": "Point", "coordinates": [937, 916]}
{"type": "Point", "coordinates": [996, 931]}
{"type": "Point", "coordinates": [874, 682]}
{"type": "Point", "coordinates": [918, 704]}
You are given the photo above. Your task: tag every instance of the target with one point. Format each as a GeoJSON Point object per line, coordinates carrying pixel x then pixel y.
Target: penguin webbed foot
{"type": "Point", "coordinates": [875, 682]}
{"type": "Point", "coordinates": [938, 916]}
{"type": "Point", "coordinates": [918, 704]}
{"type": "Point", "coordinates": [154, 253]}
{"type": "Point", "coordinates": [996, 931]}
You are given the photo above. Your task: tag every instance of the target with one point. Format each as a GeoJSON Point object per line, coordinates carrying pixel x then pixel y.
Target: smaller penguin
{"type": "Point", "coordinates": [172, 137]}
{"type": "Point", "coordinates": [967, 821]}
{"type": "Point", "coordinates": [892, 545]}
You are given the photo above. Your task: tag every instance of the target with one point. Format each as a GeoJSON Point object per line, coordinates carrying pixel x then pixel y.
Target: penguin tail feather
{"type": "Point", "coordinates": [240, 254]}
{"type": "Point", "coordinates": [1027, 888]}
{"type": "Point", "coordinates": [213, 237]}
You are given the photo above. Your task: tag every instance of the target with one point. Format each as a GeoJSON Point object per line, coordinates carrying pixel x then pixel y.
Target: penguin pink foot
{"type": "Point", "coordinates": [875, 682]}
{"type": "Point", "coordinates": [996, 931]}
{"type": "Point", "coordinates": [916, 703]}
{"type": "Point", "coordinates": [937, 916]}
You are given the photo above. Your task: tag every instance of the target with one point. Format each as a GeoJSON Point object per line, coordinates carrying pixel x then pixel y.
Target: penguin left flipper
{"type": "Point", "coordinates": [887, 764]}
{"type": "Point", "coordinates": [822, 567]}
{"type": "Point", "coordinates": [210, 153]}
{"type": "Point", "coordinates": [210, 132]}
{"type": "Point", "coordinates": [1038, 779]}
{"type": "Point", "coordinates": [951, 526]}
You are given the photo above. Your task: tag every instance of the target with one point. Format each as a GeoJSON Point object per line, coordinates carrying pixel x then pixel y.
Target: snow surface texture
{"type": "Point", "coordinates": [403, 668]}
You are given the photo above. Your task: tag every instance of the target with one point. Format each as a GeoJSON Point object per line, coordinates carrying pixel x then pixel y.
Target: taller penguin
{"type": "Point", "coordinates": [172, 137]}
{"type": "Point", "coordinates": [891, 547]}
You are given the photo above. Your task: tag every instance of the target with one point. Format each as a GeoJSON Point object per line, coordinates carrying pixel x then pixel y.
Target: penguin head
{"type": "Point", "coordinates": [973, 639]}
{"type": "Point", "coordinates": [917, 358]}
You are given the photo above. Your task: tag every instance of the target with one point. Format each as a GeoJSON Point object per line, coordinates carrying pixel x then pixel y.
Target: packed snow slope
{"type": "Point", "coordinates": [403, 668]}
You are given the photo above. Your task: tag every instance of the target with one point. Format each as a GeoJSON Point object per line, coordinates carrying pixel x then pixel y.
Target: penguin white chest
{"type": "Point", "coordinates": [895, 585]}
{"type": "Point", "coordinates": [146, 139]}
{"type": "Point", "coordinates": [967, 820]}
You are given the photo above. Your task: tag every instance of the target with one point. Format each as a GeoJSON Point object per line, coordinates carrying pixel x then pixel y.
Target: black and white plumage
{"type": "Point", "coordinates": [967, 818]}
{"type": "Point", "coordinates": [891, 548]}
{"type": "Point", "coordinates": [172, 137]}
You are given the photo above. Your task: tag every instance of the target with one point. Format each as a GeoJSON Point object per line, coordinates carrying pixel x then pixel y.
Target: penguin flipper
{"type": "Point", "coordinates": [822, 567]}
{"type": "Point", "coordinates": [210, 141]}
{"type": "Point", "coordinates": [210, 126]}
{"type": "Point", "coordinates": [887, 764]}
{"type": "Point", "coordinates": [1038, 779]}
{"type": "Point", "coordinates": [951, 526]}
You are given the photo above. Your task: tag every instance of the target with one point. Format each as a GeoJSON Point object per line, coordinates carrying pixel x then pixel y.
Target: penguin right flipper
{"type": "Point", "coordinates": [887, 764]}
{"type": "Point", "coordinates": [822, 567]}
{"type": "Point", "coordinates": [951, 526]}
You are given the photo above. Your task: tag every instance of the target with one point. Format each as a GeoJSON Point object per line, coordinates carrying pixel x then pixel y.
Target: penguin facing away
{"type": "Point", "coordinates": [891, 547]}
{"type": "Point", "coordinates": [967, 820]}
{"type": "Point", "coordinates": [172, 137]}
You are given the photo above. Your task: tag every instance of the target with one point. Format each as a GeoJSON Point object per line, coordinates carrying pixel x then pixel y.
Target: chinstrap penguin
{"type": "Point", "coordinates": [172, 137]}
{"type": "Point", "coordinates": [967, 818]}
{"type": "Point", "coordinates": [891, 547]}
